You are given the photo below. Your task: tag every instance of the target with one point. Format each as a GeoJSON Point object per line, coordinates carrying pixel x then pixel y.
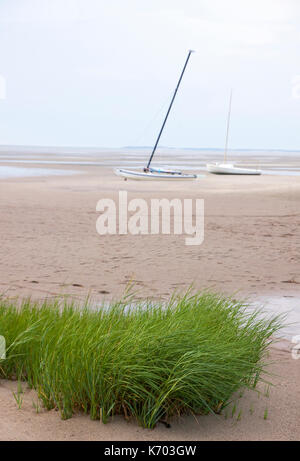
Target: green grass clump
{"type": "Point", "coordinates": [145, 360]}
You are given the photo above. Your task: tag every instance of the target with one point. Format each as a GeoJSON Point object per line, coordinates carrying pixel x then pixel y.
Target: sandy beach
{"type": "Point", "coordinates": [251, 248]}
{"type": "Point", "coordinates": [50, 244]}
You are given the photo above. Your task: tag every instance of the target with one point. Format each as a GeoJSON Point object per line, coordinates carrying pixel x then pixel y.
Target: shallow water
{"type": "Point", "coordinates": [19, 172]}
{"type": "Point", "coordinates": [278, 305]}
{"type": "Point", "coordinates": [188, 161]}
{"type": "Point", "coordinates": [286, 306]}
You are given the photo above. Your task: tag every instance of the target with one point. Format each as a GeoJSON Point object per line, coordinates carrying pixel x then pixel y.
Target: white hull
{"type": "Point", "coordinates": [229, 168]}
{"type": "Point", "coordinates": [152, 176]}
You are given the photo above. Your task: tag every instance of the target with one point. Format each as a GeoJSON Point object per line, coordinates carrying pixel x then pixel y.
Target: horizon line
{"type": "Point", "coordinates": [43, 146]}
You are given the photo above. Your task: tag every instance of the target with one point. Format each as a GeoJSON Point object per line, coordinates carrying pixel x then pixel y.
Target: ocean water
{"type": "Point", "coordinates": [272, 162]}
{"type": "Point", "coordinates": [18, 172]}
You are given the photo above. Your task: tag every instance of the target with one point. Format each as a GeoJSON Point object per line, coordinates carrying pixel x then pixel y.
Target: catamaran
{"type": "Point", "coordinates": [150, 173]}
{"type": "Point", "coordinates": [225, 167]}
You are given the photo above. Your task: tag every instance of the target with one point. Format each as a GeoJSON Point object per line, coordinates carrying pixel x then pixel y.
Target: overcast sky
{"type": "Point", "coordinates": [101, 72]}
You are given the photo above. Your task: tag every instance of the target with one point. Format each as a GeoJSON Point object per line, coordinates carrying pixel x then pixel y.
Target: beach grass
{"type": "Point", "coordinates": [145, 360]}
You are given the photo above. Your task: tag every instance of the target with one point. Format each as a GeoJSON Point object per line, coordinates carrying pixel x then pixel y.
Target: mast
{"type": "Point", "coordinates": [228, 125]}
{"type": "Point", "coordinates": [166, 117]}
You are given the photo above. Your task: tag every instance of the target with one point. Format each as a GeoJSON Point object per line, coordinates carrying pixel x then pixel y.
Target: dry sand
{"type": "Point", "coordinates": [49, 246]}
{"type": "Point", "coordinates": [49, 239]}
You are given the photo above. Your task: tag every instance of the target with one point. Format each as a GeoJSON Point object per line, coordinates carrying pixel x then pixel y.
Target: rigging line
{"type": "Point", "coordinates": [148, 124]}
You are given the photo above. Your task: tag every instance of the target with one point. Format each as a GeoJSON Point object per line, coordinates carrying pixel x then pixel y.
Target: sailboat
{"type": "Point", "coordinates": [150, 173]}
{"type": "Point", "coordinates": [225, 167]}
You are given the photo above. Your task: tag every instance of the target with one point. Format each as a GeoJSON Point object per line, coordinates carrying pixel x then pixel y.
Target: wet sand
{"type": "Point", "coordinates": [251, 248]}
{"type": "Point", "coordinates": [50, 244]}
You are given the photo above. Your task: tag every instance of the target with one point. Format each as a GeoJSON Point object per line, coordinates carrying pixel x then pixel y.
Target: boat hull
{"type": "Point", "coordinates": [153, 176]}
{"type": "Point", "coordinates": [223, 168]}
